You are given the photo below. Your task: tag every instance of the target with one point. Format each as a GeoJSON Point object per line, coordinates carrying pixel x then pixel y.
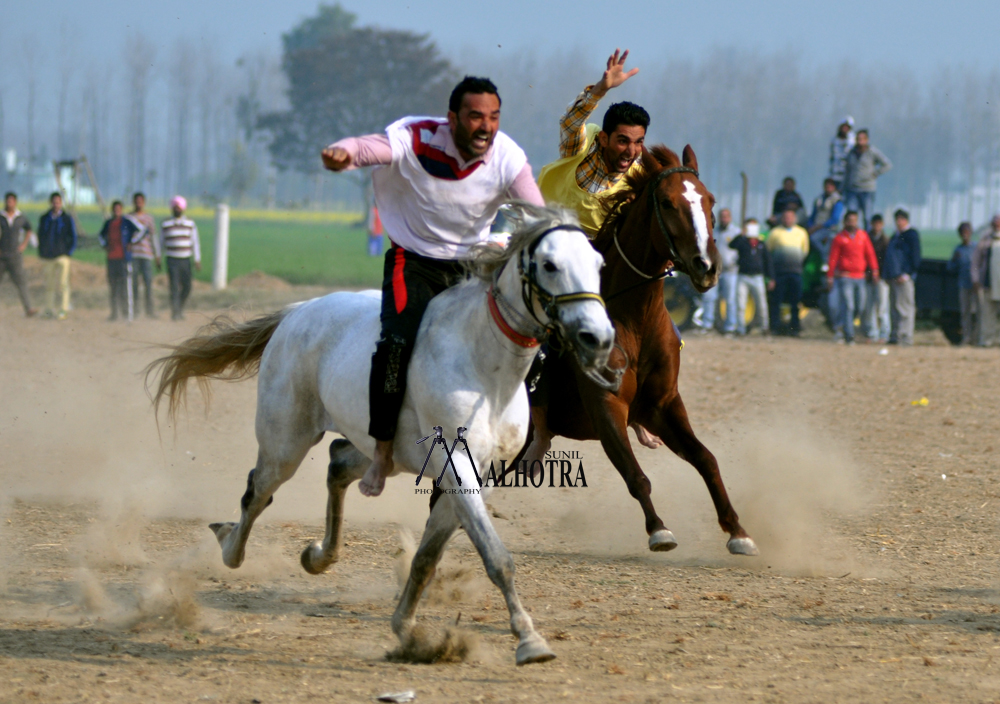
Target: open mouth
{"type": "Point", "coordinates": [480, 142]}
{"type": "Point", "coordinates": [624, 164]}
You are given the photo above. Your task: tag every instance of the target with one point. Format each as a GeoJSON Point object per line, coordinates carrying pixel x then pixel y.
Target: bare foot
{"type": "Point", "coordinates": [646, 438]}
{"type": "Point", "coordinates": [373, 482]}
{"type": "Point", "coordinates": [541, 439]}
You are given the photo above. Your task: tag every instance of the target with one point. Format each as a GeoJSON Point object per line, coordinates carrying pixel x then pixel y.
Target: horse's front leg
{"type": "Point", "coordinates": [471, 512]}
{"type": "Point", "coordinates": [609, 417]}
{"type": "Point", "coordinates": [347, 464]}
{"type": "Point", "coordinates": [670, 422]}
{"type": "Point", "coordinates": [440, 525]}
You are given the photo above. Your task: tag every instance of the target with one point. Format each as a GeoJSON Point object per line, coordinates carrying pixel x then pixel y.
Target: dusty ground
{"type": "Point", "coordinates": [876, 520]}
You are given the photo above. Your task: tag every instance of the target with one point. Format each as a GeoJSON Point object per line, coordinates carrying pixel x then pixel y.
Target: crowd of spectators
{"type": "Point", "coordinates": [130, 242]}
{"type": "Point", "coordinates": [865, 274]}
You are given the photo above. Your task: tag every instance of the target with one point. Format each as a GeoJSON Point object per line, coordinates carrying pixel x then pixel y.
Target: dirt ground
{"type": "Point", "coordinates": [876, 520]}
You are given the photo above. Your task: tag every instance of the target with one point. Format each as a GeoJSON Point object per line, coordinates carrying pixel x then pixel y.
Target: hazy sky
{"type": "Point", "coordinates": [921, 34]}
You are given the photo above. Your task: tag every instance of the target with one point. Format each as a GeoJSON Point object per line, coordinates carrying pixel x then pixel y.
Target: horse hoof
{"type": "Point", "coordinates": [662, 540]}
{"type": "Point", "coordinates": [534, 649]}
{"type": "Point", "coordinates": [743, 546]}
{"type": "Point", "coordinates": [312, 558]}
{"type": "Point", "coordinates": [222, 531]}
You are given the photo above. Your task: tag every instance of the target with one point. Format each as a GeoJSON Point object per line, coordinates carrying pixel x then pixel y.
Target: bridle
{"type": "Point", "coordinates": [532, 290]}
{"type": "Point", "coordinates": [654, 184]}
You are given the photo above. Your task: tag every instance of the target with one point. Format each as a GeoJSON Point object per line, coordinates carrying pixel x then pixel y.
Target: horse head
{"type": "Point", "coordinates": [681, 220]}
{"type": "Point", "coordinates": [558, 275]}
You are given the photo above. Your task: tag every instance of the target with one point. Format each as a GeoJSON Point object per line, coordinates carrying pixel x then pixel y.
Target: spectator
{"type": "Point", "coordinates": [850, 257]}
{"type": "Point", "coordinates": [875, 321]}
{"type": "Point", "coordinates": [725, 231]}
{"type": "Point", "coordinates": [864, 165]}
{"type": "Point", "coordinates": [902, 260]}
{"type": "Point", "coordinates": [15, 231]}
{"type": "Point", "coordinates": [986, 282]}
{"type": "Point", "coordinates": [374, 233]}
{"type": "Point", "coordinates": [840, 145]}
{"type": "Point", "coordinates": [56, 244]}
{"type": "Point", "coordinates": [961, 264]}
{"type": "Point", "coordinates": [179, 243]}
{"type": "Point", "coordinates": [788, 245]}
{"type": "Point", "coordinates": [144, 252]}
{"type": "Point", "coordinates": [824, 224]}
{"type": "Point", "coordinates": [753, 263]}
{"type": "Point", "coordinates": [784, 199]}
{"type": "Point", "coordinates": [117, 237]}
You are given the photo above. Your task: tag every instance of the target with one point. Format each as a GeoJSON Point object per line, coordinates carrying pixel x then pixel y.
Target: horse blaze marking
{"type": "Point", "coordinates": [692, 196]}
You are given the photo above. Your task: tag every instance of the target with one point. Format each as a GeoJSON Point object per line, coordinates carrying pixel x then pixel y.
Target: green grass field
{"type": "Point", "coordinates": [302, 248]}
{"type": "Point", "coordinates": [322, 249]}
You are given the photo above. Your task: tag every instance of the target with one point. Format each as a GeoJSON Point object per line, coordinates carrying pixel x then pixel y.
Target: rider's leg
{"type": "Point", "coordinates": [538, 397]}
{"type": "Point", "coordinates": [409, 283]}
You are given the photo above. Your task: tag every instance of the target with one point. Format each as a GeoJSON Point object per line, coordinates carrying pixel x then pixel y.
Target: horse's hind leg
{"type": "Point", "coordinates": [671, 423]}
{"type": "Point", "coordinates": [347, 464]}
{"type": "Point", "coordinates": [279, 455]}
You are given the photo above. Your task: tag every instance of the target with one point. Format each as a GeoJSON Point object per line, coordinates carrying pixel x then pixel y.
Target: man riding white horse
{"type": "Point", "coordinates": [438, 187]}
{"type": "Point", "coordinates": [593, 163]}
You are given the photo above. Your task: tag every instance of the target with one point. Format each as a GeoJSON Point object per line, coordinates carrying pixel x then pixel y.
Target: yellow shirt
{"type": "Point", "coordinates": [558, 184]}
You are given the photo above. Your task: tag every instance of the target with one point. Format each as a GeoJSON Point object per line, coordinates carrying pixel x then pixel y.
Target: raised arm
{"type": "Point", "coordinates": [357, 152]}
{"type": "Point", "coordinates": [572, 125]}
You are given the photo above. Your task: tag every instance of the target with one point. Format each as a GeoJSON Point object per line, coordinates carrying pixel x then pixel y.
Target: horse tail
{"type": "Point", "coordinates": [222, 349]}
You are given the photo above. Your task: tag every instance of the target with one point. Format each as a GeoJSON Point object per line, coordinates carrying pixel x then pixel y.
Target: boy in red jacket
{"type": "Point", "coordinates": [851, 255]}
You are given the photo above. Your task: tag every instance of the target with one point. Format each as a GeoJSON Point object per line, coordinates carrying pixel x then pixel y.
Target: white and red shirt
{"type": "Point", "coordinates": [179, 239]}
{"type": "Point", "coordinates": [431, 201]}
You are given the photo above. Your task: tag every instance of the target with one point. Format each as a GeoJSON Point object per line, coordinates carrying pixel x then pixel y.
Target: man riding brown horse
{"type": "Point", "coordinates": [593, 163]}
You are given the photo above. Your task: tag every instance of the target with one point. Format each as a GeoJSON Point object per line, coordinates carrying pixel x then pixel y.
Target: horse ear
{"type": "Point", "coordinates": [690, 160]}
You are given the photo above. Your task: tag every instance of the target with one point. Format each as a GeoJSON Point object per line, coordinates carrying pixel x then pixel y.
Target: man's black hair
{"type": "Point", "coordinates": [965, 226]}
{"type": "Point", "coordinates": [53, 195]}
{"type": "Point", "coordinates": [850, 212]}
{"type": "Point", "coordinates": [474, 85]}
{"type": "Point", "coordinates": [138, 194]}
{"type": "Point", "coordinates": [876, 218]}
{"type": "Point", "coordinates": [900, 214]}
{"type": "Point", "coordinates": [117, 202]}
{"type": "Point", "coordinates": [787, 179]}
{"type": "Point", "coordinates": [10, 194]}
{"type": "Point", "coordinates": [864, 132]}
{"type": "Point", "coordinates": [829, 180]}
{"type": "Point", "coordinates": [624, 113]}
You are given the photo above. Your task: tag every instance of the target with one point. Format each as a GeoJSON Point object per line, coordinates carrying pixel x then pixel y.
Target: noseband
{"type": "Point", "coordinates": [530, 288]}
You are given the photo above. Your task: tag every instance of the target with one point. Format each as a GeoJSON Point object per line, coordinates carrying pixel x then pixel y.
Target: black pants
{"type": "Point", "coordinates": [142, 269]}
{"type": "Point", "coordinates": [179, 272]}
{"type": "Point", "coordinates": [118, 283]}
{"type": "Point", "coordinates": [11, 264]}
{"type": "Point", "coordinates": [409, 282]}
{"type": "Point", "coordinates": [787, 289]}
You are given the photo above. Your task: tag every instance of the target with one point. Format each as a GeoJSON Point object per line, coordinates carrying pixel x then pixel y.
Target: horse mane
{"type": "Point", "coordinates": [618, 204]}
{"type": "Point", "coordinates": [530, 222]}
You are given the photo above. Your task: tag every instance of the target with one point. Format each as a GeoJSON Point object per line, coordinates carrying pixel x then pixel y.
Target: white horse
{"type": "Point", "coordinates": [473, 352]}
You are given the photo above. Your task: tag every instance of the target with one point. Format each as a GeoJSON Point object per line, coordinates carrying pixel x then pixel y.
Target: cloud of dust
{"type": "Point", "coordinates": [452, 583]}
{"type": "Point", "coordinates": [163, 599]}
{"type": "Point", "coordinates": [792, 486]}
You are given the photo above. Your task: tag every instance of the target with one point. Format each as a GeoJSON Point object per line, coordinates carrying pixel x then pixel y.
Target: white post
{"type": "Point", "coordinates": [220, 269]}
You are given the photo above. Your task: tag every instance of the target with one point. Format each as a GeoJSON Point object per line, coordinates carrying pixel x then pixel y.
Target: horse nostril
{"type": "Point", "coordinates": [588, 339]}
{"type": "Point", "coordinates": [702, 265]}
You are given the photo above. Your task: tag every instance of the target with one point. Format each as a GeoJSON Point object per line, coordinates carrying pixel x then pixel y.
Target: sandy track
{"type": "Point", "coordinates": [876, 581]}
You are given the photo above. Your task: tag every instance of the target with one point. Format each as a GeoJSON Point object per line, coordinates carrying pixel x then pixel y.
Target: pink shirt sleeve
{"type": "Point", "coordinates": [370, 150]}
{"type": "Point", "coordinates": [525, 188]}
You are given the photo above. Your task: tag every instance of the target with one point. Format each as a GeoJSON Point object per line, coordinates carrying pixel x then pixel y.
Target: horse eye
{"type": "Point", "coordinates": [550, 267]}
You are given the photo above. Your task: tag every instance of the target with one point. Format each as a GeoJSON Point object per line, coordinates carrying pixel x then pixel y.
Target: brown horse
{"type": "Point", "coordinates": [661, 220]}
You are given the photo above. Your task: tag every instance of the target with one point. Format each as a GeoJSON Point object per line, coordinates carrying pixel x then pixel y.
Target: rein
{"type": "Point", "coordinates": [654, 184]}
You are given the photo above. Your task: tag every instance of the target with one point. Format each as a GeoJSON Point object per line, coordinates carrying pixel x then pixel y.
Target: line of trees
{"type": "Point", "coordinates": [179, 119]}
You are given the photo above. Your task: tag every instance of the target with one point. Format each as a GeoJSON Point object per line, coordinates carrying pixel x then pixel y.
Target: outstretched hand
{"type": "Point", "coordinates": [336, 158]}
{"type": "Point", "coordinates": [615, 74]}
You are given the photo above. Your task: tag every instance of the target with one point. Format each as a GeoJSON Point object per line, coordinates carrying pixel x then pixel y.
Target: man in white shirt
{"type": "Point", "coordinates": [438, 186]}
